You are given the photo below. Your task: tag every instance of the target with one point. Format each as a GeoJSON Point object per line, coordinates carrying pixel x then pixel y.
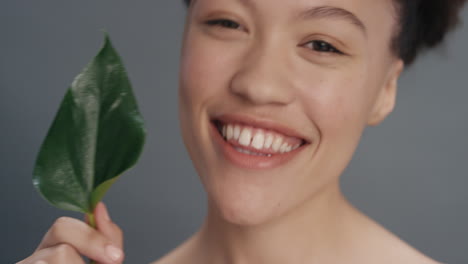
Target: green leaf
{"type": "Point", "coordinates": [97, 134]}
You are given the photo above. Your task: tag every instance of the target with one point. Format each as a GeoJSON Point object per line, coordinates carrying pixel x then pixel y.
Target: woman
{"type": "Point", "coordinates": [274, 96]}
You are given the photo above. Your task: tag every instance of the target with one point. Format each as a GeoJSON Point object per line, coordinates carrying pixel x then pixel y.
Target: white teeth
{"type": "Point", "coordinates": [283, 147]}
{"type": "Point", "coordinates": [268, 141]}
{"type": "Point", "coordinates": [229, 132]}
{"type": "Point", "coordinates": [245, 151]}
{"type": "Point", "coordinates": [277, 143]}
{"type": "Point", "coordinates": [245, 137]}
{"type": "Point", "coordinates": [236, 132]}
{"type": "Point", "coordinates": [224, 131]}
{"type": "Point", "coordinates": [258, 140]}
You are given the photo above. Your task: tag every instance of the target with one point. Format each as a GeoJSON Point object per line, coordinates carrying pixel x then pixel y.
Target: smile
{"type": "Point", "coordinates": [265, 142]}
{"type": "Point", "coordinates": [249, 145]}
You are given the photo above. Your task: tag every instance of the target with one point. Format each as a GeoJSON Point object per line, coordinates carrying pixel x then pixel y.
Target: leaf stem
{"type": "Point", "coordinates": [91, 223]}
{"type": "Point", "coordinates": [91, 220]}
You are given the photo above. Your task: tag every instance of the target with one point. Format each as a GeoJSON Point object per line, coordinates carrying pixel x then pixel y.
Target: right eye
{"type": "Point", "coordinates": [226, 23]}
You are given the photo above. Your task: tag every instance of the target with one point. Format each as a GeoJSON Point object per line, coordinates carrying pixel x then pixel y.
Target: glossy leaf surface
{"type": "Point", "coordinates": [97, 134]}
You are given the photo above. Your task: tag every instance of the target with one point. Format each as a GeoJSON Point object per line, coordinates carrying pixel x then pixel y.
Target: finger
{"type": "Point", "coordinates": [86, 240]}
{"type": "Point", "coordinates": [58, 254]}
{"type": "Point", "coordinates": [106, 226]}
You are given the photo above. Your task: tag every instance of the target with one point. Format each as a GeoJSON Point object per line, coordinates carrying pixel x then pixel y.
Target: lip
{"type": "Point", "coordinates": [261, 123]}
{"type": "Point", "coordinates": [247, 161]}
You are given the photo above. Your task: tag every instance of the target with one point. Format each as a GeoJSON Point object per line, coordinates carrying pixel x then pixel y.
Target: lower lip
{"type": "Point", "coordinates": [251, 161]}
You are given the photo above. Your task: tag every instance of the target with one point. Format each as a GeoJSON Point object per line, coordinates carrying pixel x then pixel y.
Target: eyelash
{"type": "Point", "coordinates": [222, 23]}
{"type": "Point", "coordinates": [317, 45]}
{"type": "Point", "coordinates": [323, 46]}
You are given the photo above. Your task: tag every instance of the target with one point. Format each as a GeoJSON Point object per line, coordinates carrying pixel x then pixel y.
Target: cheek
{"type": "Point", "coordinates": [200, 78]}
{"type": "Point", "coordinates": [205, 68]}
{"type": "Point", "coordinates": [204, 75]}
{"type": "Point", "coordinates": [195, 74]}
{"type": "Point", "coordinates": [337, 101]}
{"type": "Point", "coordinates": [337, 105]}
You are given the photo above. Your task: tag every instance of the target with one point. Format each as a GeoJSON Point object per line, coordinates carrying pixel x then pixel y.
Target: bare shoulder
{"type": "Point", "coordinates": [175, 256]}
{"type": "Point", "coordinates": [369, 243]}
{"type": "Point", "coordinates": [172, 257]}
{"type": "Point", "coordinates": [401, 252]}
{"type": "Point", "coordinates": [183, 254]}
{"type": "Point", "coordinates": [382, 246]}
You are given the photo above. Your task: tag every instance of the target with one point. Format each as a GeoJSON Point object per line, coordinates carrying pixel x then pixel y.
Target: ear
{"type": "Point", "coordinates": [385, 101]}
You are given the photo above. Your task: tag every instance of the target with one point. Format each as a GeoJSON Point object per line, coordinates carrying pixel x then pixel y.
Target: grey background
{"type": "Point", "coordinates": [410, 173]}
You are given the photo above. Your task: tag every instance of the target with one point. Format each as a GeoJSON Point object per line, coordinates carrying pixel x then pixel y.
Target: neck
{"type": "Point", "coordinates": [308, 231]}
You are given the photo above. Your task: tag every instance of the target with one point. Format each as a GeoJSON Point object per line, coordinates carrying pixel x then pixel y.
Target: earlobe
{"type": "Point", "coordinates": [385, 101]}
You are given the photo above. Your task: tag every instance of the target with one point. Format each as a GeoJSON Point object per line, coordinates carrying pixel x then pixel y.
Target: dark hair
{"type": "Point", "coordinates": [422, 24]}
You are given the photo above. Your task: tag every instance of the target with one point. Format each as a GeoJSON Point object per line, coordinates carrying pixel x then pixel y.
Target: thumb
{"type": "Point", "coordinates": [106, 226]}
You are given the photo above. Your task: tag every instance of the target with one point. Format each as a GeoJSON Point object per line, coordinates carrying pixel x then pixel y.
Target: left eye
{"type": "Point", "coordinates": [226, 23]}
{"type": "Point", "coordinates": [322, 46]}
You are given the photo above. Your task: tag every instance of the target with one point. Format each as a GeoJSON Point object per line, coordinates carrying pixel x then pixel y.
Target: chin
{"type": "Point", "coordinates": [244, 206]}
{"type": "Point", "coordinates": [245, 215]}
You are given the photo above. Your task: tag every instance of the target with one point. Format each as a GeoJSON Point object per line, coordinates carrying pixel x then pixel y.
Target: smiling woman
{"type": "Point", "coordinates": [274, 96]}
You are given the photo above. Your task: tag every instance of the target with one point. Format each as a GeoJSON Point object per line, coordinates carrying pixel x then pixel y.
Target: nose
{"type": "Point", "coordinates": [262, 77]}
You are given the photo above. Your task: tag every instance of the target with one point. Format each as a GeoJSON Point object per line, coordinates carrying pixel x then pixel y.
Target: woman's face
{"type": "Point", "coordinates": [274, 96]}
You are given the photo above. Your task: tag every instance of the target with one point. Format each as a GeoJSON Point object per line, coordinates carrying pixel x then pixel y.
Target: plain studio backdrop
{"type": "Point", "coordinates": [410, 173]}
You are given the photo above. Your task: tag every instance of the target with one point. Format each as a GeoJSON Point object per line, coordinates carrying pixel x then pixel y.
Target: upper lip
{"type": "Point", "coordinates": [267, 124]}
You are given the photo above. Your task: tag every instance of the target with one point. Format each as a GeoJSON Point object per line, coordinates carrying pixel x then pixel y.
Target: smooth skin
{"type": "Point", "coordinates": [326, 75]}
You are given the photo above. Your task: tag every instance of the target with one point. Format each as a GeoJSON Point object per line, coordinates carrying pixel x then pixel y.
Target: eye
{"type": "Point", "coordinates": [223, 23]}
{"type": "Point", "coordinates": [322, 46]}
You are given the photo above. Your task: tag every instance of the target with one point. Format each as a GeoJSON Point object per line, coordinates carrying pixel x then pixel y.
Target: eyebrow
{"type": "Point", "coordinates": [324, 12]}
{"type": "Point", "coordinates": [332, 12]}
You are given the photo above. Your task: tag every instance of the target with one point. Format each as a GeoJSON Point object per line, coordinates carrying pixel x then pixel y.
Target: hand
{"type": "Point", "coordinates": [69, 238]}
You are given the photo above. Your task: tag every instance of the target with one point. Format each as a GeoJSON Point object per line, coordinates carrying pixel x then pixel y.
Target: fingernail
{"type": "Point", "coordinates": [106, 213]}
{"type": "Point", "coordinates": [113, 252]}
